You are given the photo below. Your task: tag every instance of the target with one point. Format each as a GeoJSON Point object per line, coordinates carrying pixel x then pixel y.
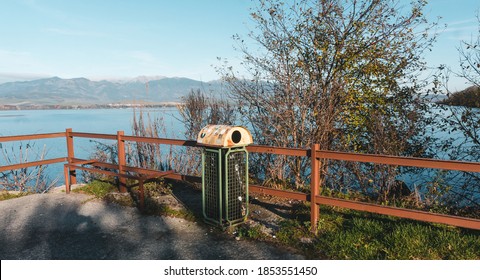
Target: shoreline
{"type": "Point", "coordinates": [86, 106]}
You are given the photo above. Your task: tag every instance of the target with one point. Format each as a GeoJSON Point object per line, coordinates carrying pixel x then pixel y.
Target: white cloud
{"type": "Point", "coordinates": [462, 22]}
{"type": "Point", "coordinates": [461, 29]}
{"type": "Point", "coordinates": [471, 28]}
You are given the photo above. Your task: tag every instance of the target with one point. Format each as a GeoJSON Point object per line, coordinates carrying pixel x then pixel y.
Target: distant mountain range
{"type": "Point", "coordinates": [60, 92]}
{"type": "Point", "coordinates": [56, 92]}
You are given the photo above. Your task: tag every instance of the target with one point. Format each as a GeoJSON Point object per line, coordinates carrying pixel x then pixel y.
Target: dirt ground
{"type": "Point", "coordinates": [263, 210]}
{"type": "Point", "coordinates": [78, 226]}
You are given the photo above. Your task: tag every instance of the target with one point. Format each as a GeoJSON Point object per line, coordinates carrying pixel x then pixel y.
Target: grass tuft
{"type": "Point", "coordinates": [153, 208]}
{"type": "Point", "coordinates": [253, 232]}
{"type": "Point", "coordinates": [97, 188]}
{"type": "Point", "coordinates": [4, 195]}
{"type": "Point", "coordinates": [362, 236]}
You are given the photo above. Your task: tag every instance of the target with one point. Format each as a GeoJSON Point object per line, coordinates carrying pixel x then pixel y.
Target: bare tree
{"type": "Point", "coordinates": [148, 155]}
{"type": "Point", "coordinates": [334, 73]}
{"type": "Point", "coordinates": [196, 111]}
{"type": "Point", "coordinates": [470, 58]}
{"type": "Point", "coordinates": [27, 179]}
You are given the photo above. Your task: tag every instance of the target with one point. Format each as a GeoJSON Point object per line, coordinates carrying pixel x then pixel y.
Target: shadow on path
{"type": "Point", "coordinates": [76, 226]}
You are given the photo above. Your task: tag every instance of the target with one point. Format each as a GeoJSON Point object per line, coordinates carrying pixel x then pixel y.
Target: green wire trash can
{"type": "Point", "coordinates": [224, 174]}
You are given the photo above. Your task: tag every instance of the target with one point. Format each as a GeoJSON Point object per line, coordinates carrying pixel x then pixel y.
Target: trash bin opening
{"type": "Point", "coordinates": [236, 136]}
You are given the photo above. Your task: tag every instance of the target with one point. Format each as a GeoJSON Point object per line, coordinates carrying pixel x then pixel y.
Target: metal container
{"type": "Point", "coordinates": [225, 174]}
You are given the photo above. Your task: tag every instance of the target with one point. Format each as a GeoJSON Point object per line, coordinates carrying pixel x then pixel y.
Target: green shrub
{"type": "Point", "coordinates": [252, 232]}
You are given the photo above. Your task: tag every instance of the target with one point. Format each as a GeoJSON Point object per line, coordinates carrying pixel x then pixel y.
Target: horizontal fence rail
{"type": "Point", "coordinates": [164, 141]}
{"type": "Point", "coordinates": [278, 151]}
{"type": "Point", "coordinates": [400, 212]}
{"type": "Point", "coordinates": [314, 153]}
{"type": "Point", "coordinates": [16, 138]}
{"type": "Point", "coordinates": [401, 161]}
{"type": "Point", "coordinates": [31, 137]}
{"type": "Point", "coordinates": [32, 164]}
{"type": "Point", "coordinates": [93, 135]}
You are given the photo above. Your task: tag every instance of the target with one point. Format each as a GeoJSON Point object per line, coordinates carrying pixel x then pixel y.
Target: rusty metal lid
{"type": "Point", "coordinates": [224, 136]}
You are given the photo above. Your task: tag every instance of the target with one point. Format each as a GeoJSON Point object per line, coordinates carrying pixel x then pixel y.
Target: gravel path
{"type": "Point", "coordinates": [76, 226]}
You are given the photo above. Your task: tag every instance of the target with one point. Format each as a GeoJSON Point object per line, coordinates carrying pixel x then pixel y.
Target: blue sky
{"type": "Point", "coordinates": [128, 38]}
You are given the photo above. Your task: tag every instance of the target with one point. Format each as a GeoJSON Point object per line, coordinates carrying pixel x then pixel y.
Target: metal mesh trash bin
{"type": "Point", "coordinates": [224, 173]}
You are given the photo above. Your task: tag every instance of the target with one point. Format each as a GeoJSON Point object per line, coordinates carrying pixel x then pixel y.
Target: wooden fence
{"type": "Point", "coordinates": [314, 153]}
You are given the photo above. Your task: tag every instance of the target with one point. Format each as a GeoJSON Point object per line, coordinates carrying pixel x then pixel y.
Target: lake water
{"type": "Point", "coordinates": [106, 121]}
{"type": "Point", "coordinates": [93, 120]}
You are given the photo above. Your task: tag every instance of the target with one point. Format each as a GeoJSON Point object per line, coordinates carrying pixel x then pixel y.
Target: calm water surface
{"type": "Point", "coordinates": [107, 121]}
{"type": "Point", "coordinates": [92, 120]}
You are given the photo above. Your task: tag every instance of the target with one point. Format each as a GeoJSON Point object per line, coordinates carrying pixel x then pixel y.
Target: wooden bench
{"type": "Point", "coordinates": [141, 177]}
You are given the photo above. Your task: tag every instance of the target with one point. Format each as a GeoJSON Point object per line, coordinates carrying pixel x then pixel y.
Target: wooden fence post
{"type": "Point", "coordinates": [72, 176]}
{"type": "Point", "coordinates": [121, 161]}
{"type": "Point", "coordinates": [314, 186]}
